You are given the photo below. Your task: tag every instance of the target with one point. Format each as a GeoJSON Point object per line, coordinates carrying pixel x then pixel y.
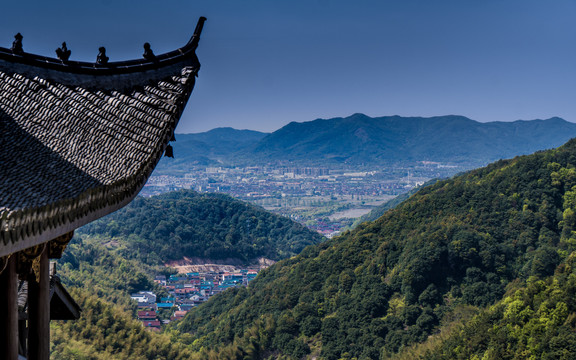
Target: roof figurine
{"type": "Point", "coordinates": [119, 76]}
{"type": "Point", "coordinates": [102, 59]}
{"type": "Point", "coordinates": [63, 53]}
{"type": "Point", "coordinates": [17, 44]}
{"type": "Point", "coordinates": [148, 53]}
{"type": "Point", "coordinates": [169, 152]}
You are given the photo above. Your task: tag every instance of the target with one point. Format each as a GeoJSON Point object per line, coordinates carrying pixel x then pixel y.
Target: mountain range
{"type": "Point", "coordinates": [363, 140]}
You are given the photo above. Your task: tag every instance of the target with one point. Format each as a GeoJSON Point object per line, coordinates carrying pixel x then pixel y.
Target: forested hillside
{"type": "Point", "coordinates": [185, 223]}
{"type": "Point", "coordinates": [538, 319]}
{"type": "Point", "coordinates": [453, 247]}
{"type": "Point", "coordinates": [118, 255]}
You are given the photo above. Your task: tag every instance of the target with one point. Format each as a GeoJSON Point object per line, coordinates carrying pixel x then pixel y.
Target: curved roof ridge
{"type": "Point", "coordinates": [113, 75]}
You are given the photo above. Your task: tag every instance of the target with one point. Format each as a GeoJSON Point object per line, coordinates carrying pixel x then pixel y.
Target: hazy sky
{"type": "Point", "coordinates": [266, 63]}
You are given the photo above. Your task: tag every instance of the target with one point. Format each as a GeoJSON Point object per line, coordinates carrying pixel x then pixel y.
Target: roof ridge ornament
{"type": "Point", "coordinates": [102, 59]}
{"type": "Point", "coordinates": [16, 55]}
{"type": "Point", "coordinates": [169, 152]}
{"type": "Point", "coordinates": [17, 44]}
{"type": "Point", "coordinates": [102, 74]}
{"type": "Point", "coordinates": [148, 53]}
{"type": "Point", "coordinates": [63, 53]}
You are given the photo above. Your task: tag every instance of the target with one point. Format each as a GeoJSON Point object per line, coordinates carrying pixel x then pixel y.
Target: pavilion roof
{"type": "Point", "coordinates": [79, 142]}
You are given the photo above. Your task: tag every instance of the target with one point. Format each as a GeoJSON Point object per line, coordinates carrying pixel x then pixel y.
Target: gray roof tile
{"type": "Point", "coordinates": [74, 153]}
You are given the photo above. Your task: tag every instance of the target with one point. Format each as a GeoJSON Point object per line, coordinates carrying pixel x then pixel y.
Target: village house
{"type": "Point", "coordinates": [144, 298]}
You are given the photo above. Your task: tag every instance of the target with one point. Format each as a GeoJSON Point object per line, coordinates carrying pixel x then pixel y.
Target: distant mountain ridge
{"type": "Point", "coordinates": [225, 135]}
{"type": "Point", "coordinates": [359, 139]}
{"type": "Point", "coordinates": [212, 147]}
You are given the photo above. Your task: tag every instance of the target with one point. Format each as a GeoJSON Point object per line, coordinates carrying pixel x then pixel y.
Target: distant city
{"type": "Point", "coordinates": [327, 200]}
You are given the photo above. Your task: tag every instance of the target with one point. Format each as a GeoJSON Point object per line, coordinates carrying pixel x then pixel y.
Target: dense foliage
{"type": "Point", "coordinates": [388, 284]}
{"type": "Point", "coordinates": [97, 267]}
{"type": "Point", "coordinates": [106, 332]}
{"type": "Point", "coordinates": [211, 226]}
{"type": "Point", "coordinates": [537, 321]}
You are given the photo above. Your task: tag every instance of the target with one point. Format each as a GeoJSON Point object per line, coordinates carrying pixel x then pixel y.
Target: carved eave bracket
{"type": "Point", "coordinates": [29, 259]}
{"type": "Point", "coordinates": [57, 246]}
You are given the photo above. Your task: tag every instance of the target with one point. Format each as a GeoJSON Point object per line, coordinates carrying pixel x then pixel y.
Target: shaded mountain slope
{"type": "Point", "coordinates": [213, 226]}
{"type": "Point", "coordinates": [388, 284]}
{"type": "Point", "coordinates": [215, 143]}
{"type": "Point", "coordinates": [359, 139]}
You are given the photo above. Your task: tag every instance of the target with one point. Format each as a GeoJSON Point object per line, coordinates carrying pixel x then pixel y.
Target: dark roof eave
{"type": "Point", "coordinates": [10, 246]}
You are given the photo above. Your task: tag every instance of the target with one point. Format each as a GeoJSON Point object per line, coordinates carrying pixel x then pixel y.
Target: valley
{"type": "Point", "coordinates": [326, 173]}
{"type": "Point", "coordinates": [325, 199]}
{"type": "Point", "coordinates": [425, 262]}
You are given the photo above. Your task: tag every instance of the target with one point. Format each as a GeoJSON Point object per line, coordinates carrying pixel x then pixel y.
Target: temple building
{"type": "Point", "coordinates": [79, 140]}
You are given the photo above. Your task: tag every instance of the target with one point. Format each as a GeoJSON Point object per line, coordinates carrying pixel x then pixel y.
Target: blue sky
{"type": "Point", "coordinates": [266, 63]}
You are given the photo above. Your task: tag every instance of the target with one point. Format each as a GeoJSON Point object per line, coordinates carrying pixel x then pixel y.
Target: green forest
{"type": "Point", "coordinates": [452, 250]}
{"type": "Point", "coordinates": [211, 226]}
{"type": "Point", "coordinates": [481, 266]}
{"type": "Point", "coordinates": [537, 320]}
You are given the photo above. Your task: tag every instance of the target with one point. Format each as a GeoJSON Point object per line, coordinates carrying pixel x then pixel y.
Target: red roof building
{"type": "Point", "coordinates": [147, 315]}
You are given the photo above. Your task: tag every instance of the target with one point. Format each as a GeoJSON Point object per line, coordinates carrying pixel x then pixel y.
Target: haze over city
{"type": "Point", "coordinates": [267, 63]}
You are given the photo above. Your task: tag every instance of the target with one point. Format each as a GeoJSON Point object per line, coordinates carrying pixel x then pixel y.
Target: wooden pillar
{"type": "Point", "coordinates": [39, 310]}
{"type": "Point", "coordinates": [9, 310]}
